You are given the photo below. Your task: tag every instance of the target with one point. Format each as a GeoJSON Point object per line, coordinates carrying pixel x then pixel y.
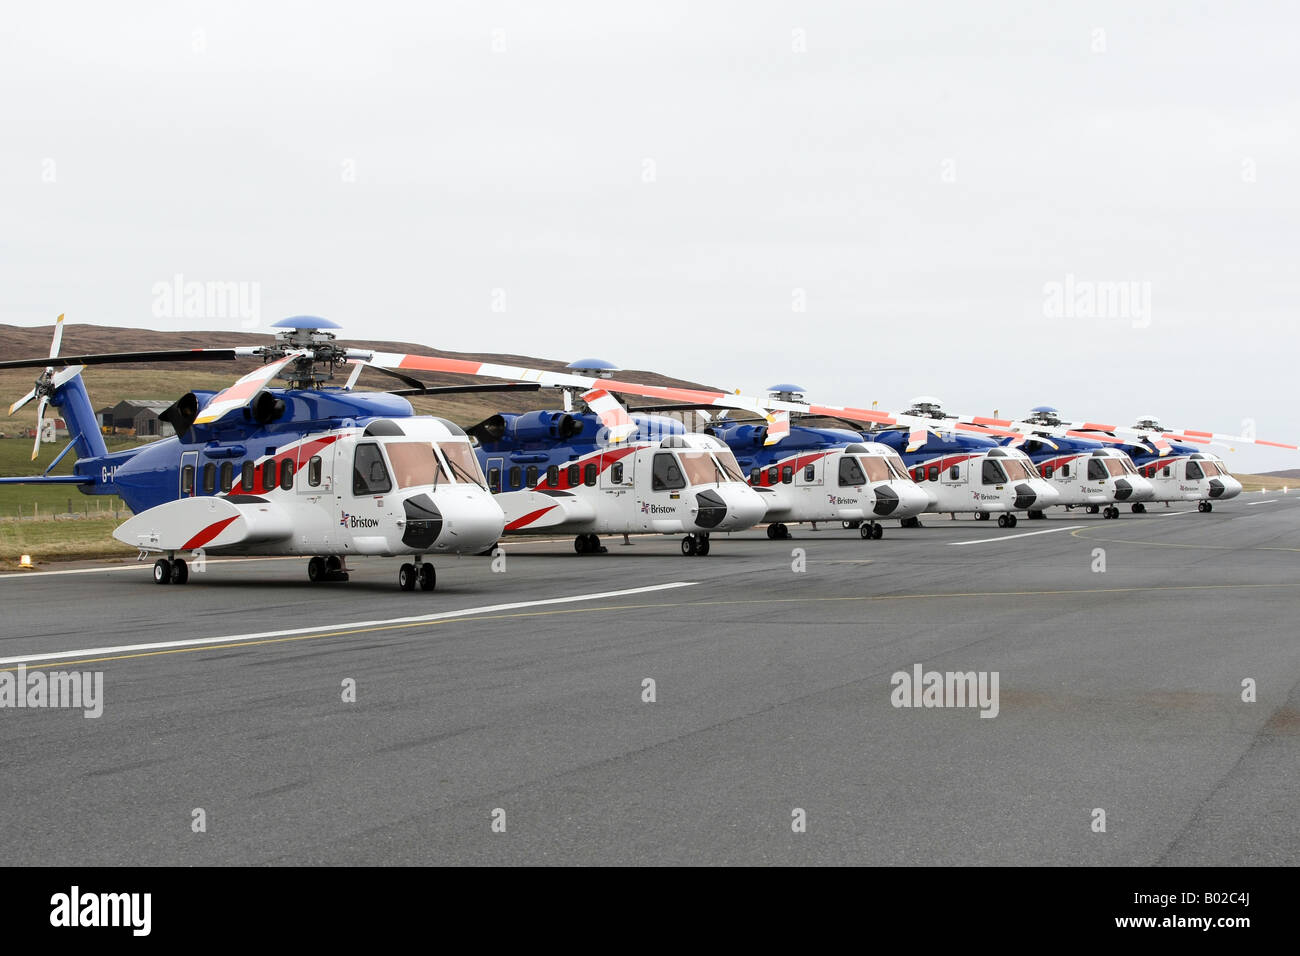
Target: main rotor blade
{"type": "Point", "coordinates": [123, 358]}
{"type": "Point", "coordinates": [58, 337]}
{"type": "Point", "coordinates": [466, 389]}
{"type": "Point", "coordinates": [40, 425]}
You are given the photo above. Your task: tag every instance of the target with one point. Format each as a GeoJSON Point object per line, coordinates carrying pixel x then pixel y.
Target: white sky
{"type": "Point", "coordinates": [920, 171]}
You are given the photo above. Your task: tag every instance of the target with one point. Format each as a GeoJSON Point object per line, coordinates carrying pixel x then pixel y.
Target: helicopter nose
{"type": "Point", "coordinates": [912, 499]}
{"type": "Point", "coordinates": [731, 506]}
{"type": "Point", "coordinates": [1143, 490]}
{"type": "Point", "coordinates": [1034, 494]}
{"type": "Point", "coordinates": [472, 523]}
{"type": "Point", "coordinates": [1231, 486]}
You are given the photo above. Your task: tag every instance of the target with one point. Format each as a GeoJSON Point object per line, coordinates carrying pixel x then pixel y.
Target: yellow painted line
{"type": "Point", "coordinates": [345, 632]}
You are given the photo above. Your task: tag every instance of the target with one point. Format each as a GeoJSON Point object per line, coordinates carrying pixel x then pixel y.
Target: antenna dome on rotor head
{"type": "Point", "coordinates": [787, 387]}
{"type": "Point", "coordinates": [591, 365]}
{"type": "Point", "coordinates": [928, 400]}
{"type": "Point", "coordinates": [1044, 410]}
{"type": "Point", "coordinates": [305, 322]}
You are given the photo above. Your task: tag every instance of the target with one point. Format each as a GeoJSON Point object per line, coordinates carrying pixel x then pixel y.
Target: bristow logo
{"type": "Point", "coordinates": [837, 500]}
{"type": "Point", "coordinates": [648, 509]}
{"type": "Point", "coordinates": [979, 496]}
{"type": "Point", "coordinates": [352, 521]}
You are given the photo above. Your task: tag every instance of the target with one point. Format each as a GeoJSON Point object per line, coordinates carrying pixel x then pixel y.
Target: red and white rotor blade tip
{"type": "Point", "coordinates": [778, 427]}
{"type": "Point", "coordinates": [242, 392]}
{"type": "Point", "coordinates": [613, 416]}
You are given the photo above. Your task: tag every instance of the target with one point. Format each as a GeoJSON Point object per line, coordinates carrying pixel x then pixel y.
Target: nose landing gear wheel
{"type": "Point", "coordinates": [428, 577]}
{"type": "Point", "coordinates": [406, 577]}
{"type": "Point", "coordinates": [162, 571]}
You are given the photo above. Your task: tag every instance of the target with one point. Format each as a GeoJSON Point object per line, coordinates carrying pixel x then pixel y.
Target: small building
{"type": "Point", "coordinates": [136, 416]}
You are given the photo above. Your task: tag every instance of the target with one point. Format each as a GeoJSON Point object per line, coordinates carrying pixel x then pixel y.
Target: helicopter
{"type": "Point", "coordinates": [594, 469]}
{"type": "Point", "coordinates": [815, 473]}
{"type": "Point", "coordinates": [314, 469]}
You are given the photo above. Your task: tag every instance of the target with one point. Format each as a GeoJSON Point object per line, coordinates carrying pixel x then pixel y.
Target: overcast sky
{"type": "Point", "coordinates": [872, 200]}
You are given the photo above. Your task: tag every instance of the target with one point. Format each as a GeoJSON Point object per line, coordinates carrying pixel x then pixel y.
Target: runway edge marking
{"type": "Point", "coordinates": [416, 619]}
{"type": "Point", "coordinates": [1009, 537]}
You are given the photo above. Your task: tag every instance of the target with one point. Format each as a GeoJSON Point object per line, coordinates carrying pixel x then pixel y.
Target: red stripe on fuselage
{"type": "Point", "coordinates": [528, 518]}
{"type": "Point", "coordinates": [207, 534]}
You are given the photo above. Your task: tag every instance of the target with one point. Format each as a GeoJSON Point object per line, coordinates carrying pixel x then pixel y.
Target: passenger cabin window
{"type": "Point", "coordinates": [369, 476]}
{"type": "Point", "coordinates": [954, 473]}
{"type": "Point", "coordinates": [1194, 471]}
{"type": "Point", "coordinates": [616, 473]}
{"type": "Point", "coordinates": [1065, 471]}
{"type": "Point", "coordinates": [590, 472]}
{"type": "Point", "coordinates": [575, 475]}
{"type": "Point", "coordinates": [787, 474]}
{"type": "Point", "coordinates": [1047, 471]}
{"type": "Point", "coordinates": [209, 478]}
{"type": "Point", "coordinates": [933, 474]}
{"type": "Point", "coordinates": [810, 473]}
{"type": "Point", "coordinates": [516, 476]}
{"type": "Point", "coordinates": [851, 472]}
{"type": "Point", "coordinates": [553, 476]}
{"type": "Point", "coordinates": [666, 474]}
{"type": "Point", "coordinates": [313, 471]}
{"type": "Point", "coordinates": [494, 480]}
{"type": "Point", "coordinates": [530, 476]}
{"type": "Point", "coordinates": [227, 475]}
{"type": "Point", "coordinates": [268, 475]}
{"type": "Point", "coordinates": [286, 473]}
{"type": "Point", "coordinates": [992, 472]}
{"type": "Point", "coordinates": [918, 475]}
{"type": "Point", "coordinates": [1166, 471]}
{"type": "Point", "coordinates": [773, 475]}
{"type": "Point", "coordinates": [1096, 469]}
{"type": "Point", "coordinates": [756, 476]}
{"type": "Point", "coordinates": [187, 480]}
{"type": "Point", "coordinates": [248, 477]}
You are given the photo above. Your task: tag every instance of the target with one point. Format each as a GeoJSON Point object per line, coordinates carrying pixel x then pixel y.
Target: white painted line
{"type": "Point", "coordinates": [1166, 514]}
{"type": "Point", "coordinates": [263, 635]}
{"type": "Point", "coordinates": [1251, 504]}
{"type": "Point", "coordinates": [141, 566]}
{"type": "Point", "coordinates": [1023, 534]}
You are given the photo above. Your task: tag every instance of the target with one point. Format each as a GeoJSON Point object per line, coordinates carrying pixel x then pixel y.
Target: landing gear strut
{"type": "Point", "coordinates": [588, 544]}
{"type": "Point", "coordinates": [871, 530]}
{"type": "Point", "coordinates": [696, 544]}
{"type": "Point", "coordinates": [778, 531]}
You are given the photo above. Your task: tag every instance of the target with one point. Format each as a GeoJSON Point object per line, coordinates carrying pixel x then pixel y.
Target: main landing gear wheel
{"type": "Point", "coordinates": [162, 571]}
{"type": "Point", "coordinates": [406, 577]}
{"type": "Point", "coordinates": [316, 570]}
{"type": "Point", "coordinates": [1139, 508]}
{"type": "Point", "coordinates": [428, 576]}
{"type": "Point", "coordinates": [588, 544]}
{"type": "Point", "coordinates": [1006, 520]}
{"type": "Point", "coordinates": [1111, 512]}
{"type": "Point", "coordinates": [180, 572]}
{"type": "Point", "coordinates": [1092, 509]}
{"type": "Point", "coordinates": [1204, 506]}
{"type": "Point", "coordinates": [910, 523]}
{"type": "Point", "coordinates": [871, 531]}
{"type": "Point", "coordinates": [778, 531]}
{"type": "Point", "coordinates": [1037, 515]}
{"type": "Point", "coordinates": [850, 525]}
{"type": "Point", "coordinates": [689, 547]}
{"type": "Point", "coordinates": [982, 516]}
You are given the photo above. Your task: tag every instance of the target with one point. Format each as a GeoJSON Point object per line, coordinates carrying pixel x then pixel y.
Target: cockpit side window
{"type": "Point", "coordinates": [369, 475]}
{"type": "Point", "coordinates": [665, 473]}
{"type": "Point", "coordinates": [1194, 471]}
{"type": "Point", "coordinates": [992, 473]}
{"type": "Point", "coordinates": [851, 472]}
{"type": "Point", "coordinates": [1096, 469]}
